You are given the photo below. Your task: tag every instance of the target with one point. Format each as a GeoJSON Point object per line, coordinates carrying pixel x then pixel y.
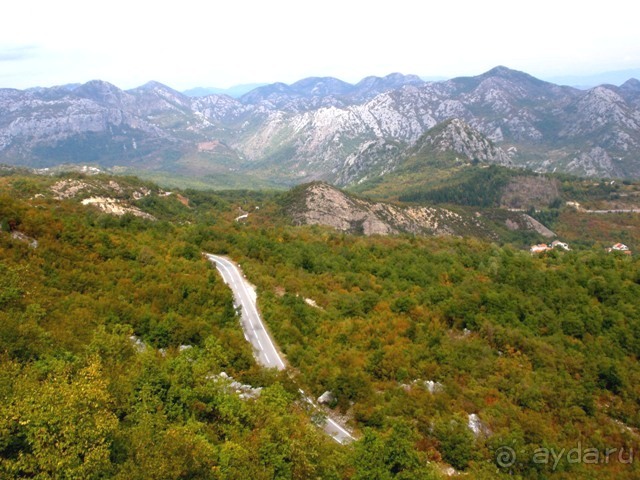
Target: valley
{"type": "Point", "coordinates": [438, 342]}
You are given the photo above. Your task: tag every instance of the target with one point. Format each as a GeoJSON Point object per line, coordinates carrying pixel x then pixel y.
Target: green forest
{"type": "Point", "coordinates": [114, 331]}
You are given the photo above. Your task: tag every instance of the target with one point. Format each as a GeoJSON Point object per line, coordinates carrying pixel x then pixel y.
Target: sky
{"type": "Point", "coordinates": [220, 43]}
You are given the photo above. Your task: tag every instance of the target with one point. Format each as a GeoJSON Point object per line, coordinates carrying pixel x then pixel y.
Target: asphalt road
{"type": "Point", "coordinates": [614, 210]}
{"type": "Point", "coordinates": [263, 346]}
{"type": "Point", "coordinates": [245, 297]}
{"type": "Point", "coordinates": [330, 426]}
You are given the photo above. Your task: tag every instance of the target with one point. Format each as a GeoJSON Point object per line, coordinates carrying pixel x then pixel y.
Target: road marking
{"type": "Point", "coordinates": [241, 290]}
{"type": "Point", "coordinates": [229, 270]}
{"type": "Point", "coordinates": [230, 273]}
{"type": "Point", "coordinates": [255, 310]}
{"type": "Point", "coordinates": [339, 428]}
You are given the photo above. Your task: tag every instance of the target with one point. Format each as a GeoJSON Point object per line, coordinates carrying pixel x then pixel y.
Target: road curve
{"type": "Point", "coordinates": [263, 346]}
{"type": "Point", "coordinates": [245, 298]}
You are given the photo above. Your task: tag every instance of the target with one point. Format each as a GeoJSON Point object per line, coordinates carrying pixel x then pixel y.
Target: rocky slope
{"type": "Point", "coordinates": [325, 205]}
{"type": "Point", "coordinates": [448, 143]}
{"type": "Point", "coordinates": [323, 128]}
{"type": "Point", "coordinates": [321, 204]}
{"type": "Point", "coordinates": [456, 136]}
{"type": "Point", "coordinates": [318, 203]}
{"type": "Point", "coordinates": [109, 196]}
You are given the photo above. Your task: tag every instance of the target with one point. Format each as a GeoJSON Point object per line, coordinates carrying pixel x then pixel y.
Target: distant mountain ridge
{"type": "Point", "coordinates": [234, 91]}
{"type": "Point", "coordinates": [315, 91]}
{"type": "Point", "coordinates": [322, 128]}
{"type": "Point", "coordinates": [617, 77]}
{"type": "Point", "coordinates": [310, 86]}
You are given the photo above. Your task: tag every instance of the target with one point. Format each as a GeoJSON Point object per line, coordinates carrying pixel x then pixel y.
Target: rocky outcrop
{"type": "Point", "coordinates": [21, 237]}
{"type": "Point", "coordinates": [72, 188]}
{"type": "Point", "coordinates": [108, 196]}
{"type": "Point", "coordinates": [319, 203]}
{"type": "Point", "coordinates": [113, 206]}
{"type": "Point", "coordinates": [536, 226]}
{"type": "Point", "coordinates": [322, 204]}
{"type": "Point", "coordinates": [522, 221]}
{"type": "Point", "coordinates": [594, 163]}
{"type": "Point", "coordinates": [456, 136]}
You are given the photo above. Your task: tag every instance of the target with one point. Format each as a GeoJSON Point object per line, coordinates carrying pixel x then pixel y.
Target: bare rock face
{"type": "Point", "coordinates": [322, 204]}
{"type": "Point", "coordinates": [109, 197]}
{"type": "Point", "coordinates": [326, 398]}
{"type": "Point", "coordinates": [594, 163]}
{"type": "Point", "coordinates": [373, 158]}
{"type": "Point", "coordinates": [522, 221]}
{"type": "Point", "coordinates": [328, 206]}
{"type": "Point", "coordinates": [21, 237]}
{"type": "Point", "coordinates": [535, 225]}
{"type": "Point", "coordinates": [319, 203]}
{"type": "Point", "coordinates": [115, 207]}
{"type": "Point", "coordinates": [457, 136]}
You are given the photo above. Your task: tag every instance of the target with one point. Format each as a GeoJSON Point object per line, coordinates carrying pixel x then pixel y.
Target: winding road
{"type": "Point", "coordinates": [245, 298]}
{"type": "Point", "coordinates": [263, 346]}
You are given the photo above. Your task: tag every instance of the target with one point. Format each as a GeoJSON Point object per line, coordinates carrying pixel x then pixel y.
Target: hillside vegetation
{"type": "Point", "coordinates": [114, 331]}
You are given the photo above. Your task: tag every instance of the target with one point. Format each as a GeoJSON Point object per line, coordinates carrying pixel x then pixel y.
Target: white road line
{"type": "Point", "coordinates": [262, 350]}
{"type": "Point", "coordinates": [339, 427]}
{"type": "Point", "coordinates": [229, 270]}
{"type": "Point", "coordinates": [250, 314]}
{"type": "Point", "coordinates": [257, 316]}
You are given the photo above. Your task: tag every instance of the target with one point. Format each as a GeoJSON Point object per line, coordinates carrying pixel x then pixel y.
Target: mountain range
{"type": "Point", "coordinates": [615, 77]}
{"type": "Point", "coordinates": [234, 91]}
{"type": "Point", "coordinates": [322, 128]}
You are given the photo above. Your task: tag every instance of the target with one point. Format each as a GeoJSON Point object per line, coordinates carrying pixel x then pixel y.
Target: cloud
{"type": "Point", "coordinates": [19, 53]}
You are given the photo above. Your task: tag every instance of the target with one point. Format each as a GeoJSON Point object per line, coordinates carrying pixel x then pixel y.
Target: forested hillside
{"type": "Point", "coordinates": [112, 334]}
{"type": "Point", "coordinates": [439, 351]}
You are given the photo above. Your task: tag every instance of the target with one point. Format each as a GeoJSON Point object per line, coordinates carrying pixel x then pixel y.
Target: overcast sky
{"type": "Point", "coordinates": [223, 43]}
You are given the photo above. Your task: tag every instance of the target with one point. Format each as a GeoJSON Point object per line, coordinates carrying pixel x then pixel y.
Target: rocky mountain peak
{"type": "Point", "coordinates": [504, 83]}
{"type": "Point", "coordinates": [154, 96]}
{"type": "Point", "coordinates": [456, 136]}
{"type": "Point", "coordinates": [601, 108]}
{"type": "Point", "coordinates": [314, 86]}
{"type": "Point", "coordinates": [160, 90]}
{"type": "Point", "coordinates": [631, 83]}
{"type": "Point", "coordinates": [513, 75]}
{"type": "Point", "coordinates": [630, 90]}
{"type": "Point", "coordinates": [398, 80]}
{"type": "Point", "coordinates": [157, 86]}
{"type": "Point", "coordinates": [96, 85]}
{"type": "Point", "coordinates": [631, 86]}
{"type": "Point", "coordinates": [315, 92]}
{"type": "Point", "coordinates": [368, 87]}
{"type": "Point", "coordinates": [502, 71]}
{"type": "Point", "coordinates": [605, 93]}
{"type": "Point", "coordinates": [401, 79]}
{"type": "Point", "coordinates": [101, 92]}
{"type": "Point", "coordinates": [266, 92]}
